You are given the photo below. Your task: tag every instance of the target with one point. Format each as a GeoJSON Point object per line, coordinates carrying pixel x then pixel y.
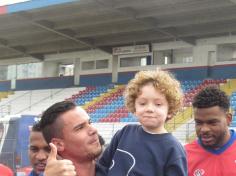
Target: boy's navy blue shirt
{"type": "Point", "coordinates": [100, 171]}
{"type": "Point", "coordinates": [133, 151]}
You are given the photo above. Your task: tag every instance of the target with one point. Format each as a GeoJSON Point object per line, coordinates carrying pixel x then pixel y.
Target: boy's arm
{"type": "Point", "coordinates": [107, 156]}
{"type": "Point", "coordinates": [177, 167]}
{"type": "Point", "coordinates": [176, 161]}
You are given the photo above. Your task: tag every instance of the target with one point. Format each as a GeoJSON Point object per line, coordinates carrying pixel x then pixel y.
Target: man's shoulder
{"type": "Point", "coordinates": [192, 145]}
{"type": "Point", "coordinates": [31, 173]}
{"type": "Point", "coordinates": [5, 170]}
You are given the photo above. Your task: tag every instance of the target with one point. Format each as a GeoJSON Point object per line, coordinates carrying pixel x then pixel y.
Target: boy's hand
{"type": "Point", "coordinates": [56, 167]}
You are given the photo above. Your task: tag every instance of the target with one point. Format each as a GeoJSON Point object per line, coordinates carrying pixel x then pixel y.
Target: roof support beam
{"type": "Point", "coordinates": [49, 26]}
{"type": "Point", "coordinates": [151, 22]}
{"type": "Point", "coordinates": [19, 49]}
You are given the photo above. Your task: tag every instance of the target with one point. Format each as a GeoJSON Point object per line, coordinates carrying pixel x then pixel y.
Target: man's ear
{"type": "Point", "coordinates": [229, 118]}
{"type": "Point", "coordinates": [58, 143]}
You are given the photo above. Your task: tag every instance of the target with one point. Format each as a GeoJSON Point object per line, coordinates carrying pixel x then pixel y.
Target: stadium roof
{"type": "Point", "coordinates": [38, 27]}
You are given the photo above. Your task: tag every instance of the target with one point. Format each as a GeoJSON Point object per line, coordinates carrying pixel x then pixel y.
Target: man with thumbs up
{"type": "Point", "coordinates": [56, 166]}
{"type": "Point", "coordinates": [68, 130]}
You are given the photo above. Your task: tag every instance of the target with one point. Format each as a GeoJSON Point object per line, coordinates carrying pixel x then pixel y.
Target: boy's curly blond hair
{"type": "Point", "coordinates": [163, 81]}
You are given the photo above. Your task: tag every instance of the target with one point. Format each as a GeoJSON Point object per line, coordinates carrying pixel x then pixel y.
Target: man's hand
{"type": "Point", "coordinates": [56, 167]}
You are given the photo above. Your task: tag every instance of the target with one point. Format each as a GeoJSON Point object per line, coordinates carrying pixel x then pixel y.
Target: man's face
{"type": "Point", "coordinates": [38, 151]}
{"type": "Point", "coordinates": [80, 139]}
{"type": "Point", "coordinates": [212, 126]}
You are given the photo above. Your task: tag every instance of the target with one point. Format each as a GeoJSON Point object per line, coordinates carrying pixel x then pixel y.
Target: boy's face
{"type": "Point", "coordinates": [151, 109]}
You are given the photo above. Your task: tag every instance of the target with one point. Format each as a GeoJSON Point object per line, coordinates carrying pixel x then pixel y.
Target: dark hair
{"type": "Point", "coordinates": [49, 124]}
{"type": "Point", "coordinates": [211, 96]}
{"type": "Point", "coordinates": [36, 127]}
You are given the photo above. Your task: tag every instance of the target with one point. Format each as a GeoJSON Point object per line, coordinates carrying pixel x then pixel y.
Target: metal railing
{"type": "Point", "coordinates": [6, 108]}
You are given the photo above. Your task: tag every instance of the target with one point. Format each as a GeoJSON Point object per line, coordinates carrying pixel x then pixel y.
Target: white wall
{"type": "Point", "coordinates": [50, 69]}
{"type": "Point", "coordinates": [201, 54]}
{"type": "Point", "coordinates": [181, 54]}
{"type": "Point", "coordinates": [170, 45]}
{"type": "Point", "coordinates": [225, 53]}
{"type": "Point", "coordinates": [204, 50]}
{"type": "Point", "coordinates": [23, 60]}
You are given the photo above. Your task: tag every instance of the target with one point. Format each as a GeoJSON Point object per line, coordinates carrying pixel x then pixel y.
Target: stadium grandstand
{"type": "Point", "coordinates": [87, 50]}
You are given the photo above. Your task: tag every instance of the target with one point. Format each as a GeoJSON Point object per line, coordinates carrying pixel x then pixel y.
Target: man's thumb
{"type": "Point", "coordinates": [53, 154]}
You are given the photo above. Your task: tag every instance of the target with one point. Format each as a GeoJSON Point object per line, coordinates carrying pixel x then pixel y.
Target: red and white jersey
{"type": "Point", "coordinates": [5, 171]}
{"type": "Point", "coordinates": [203, 162]}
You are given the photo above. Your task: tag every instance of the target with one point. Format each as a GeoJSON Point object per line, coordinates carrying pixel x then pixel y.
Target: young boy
{"type": "Point", "coordinates": [148, 149]}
